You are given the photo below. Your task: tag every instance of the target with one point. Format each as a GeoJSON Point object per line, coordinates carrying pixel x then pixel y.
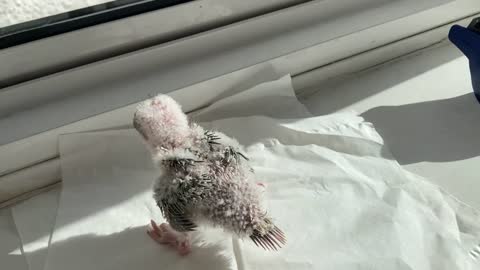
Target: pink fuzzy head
{"type": "Point", "coordinates": [162, 123]}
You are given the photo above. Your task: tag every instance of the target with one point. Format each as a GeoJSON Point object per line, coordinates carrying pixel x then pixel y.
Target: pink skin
{"type": "Point", "coordinates": [166, 235]}
{"type": "Point", "coordinates": [262, 186]}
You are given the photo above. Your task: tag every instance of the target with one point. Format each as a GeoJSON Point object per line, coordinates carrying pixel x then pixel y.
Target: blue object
{"type": "Point", "coordinates": [468, 41]}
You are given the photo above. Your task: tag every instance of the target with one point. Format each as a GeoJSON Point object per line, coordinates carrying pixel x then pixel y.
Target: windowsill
{"type": "Point", "coordinates": [37, 59]}
{"type": "Point", "coordinates": [96, 96]}
{"type": "Point", "coordinates": [107, 85]}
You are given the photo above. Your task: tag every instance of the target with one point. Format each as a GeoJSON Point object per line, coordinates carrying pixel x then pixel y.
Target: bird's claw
{"type": "Point", "coordinates": [166, 235]}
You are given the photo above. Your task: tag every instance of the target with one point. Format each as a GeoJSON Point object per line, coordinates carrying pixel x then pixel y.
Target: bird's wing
{"type": "Point", "coordinates": [177, 207]}
{"type": "Point", "coordinates": [177, 215]}
{"type": "Point", "coordinates": [228, 145]}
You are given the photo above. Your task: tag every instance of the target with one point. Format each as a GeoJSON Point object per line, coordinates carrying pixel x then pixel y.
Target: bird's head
{"type": "Point", "coordinates": [162, 123]}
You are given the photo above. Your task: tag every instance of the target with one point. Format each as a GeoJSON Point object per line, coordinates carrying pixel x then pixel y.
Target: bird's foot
{"type": "Point", "coordinates": [166, 235]}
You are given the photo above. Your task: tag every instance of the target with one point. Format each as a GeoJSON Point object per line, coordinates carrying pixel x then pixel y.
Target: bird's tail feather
{"type": "Point", "coordinates": [273, 239]}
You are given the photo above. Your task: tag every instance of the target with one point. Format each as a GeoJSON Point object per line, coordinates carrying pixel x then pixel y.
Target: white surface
{"type": "Point", "coordinates": [18, 11]}
{"type": "Point", "coordinates": [11, 256]}
{"type": "Point", "coordinates": [34, 220]}
{"type": "Point", "coordinates": [344, 204]}
{"type": "Point", "coordinates": [307, 83]}
{"type": "Point", "coordinates": [424, 108]}
{"type": "Point", "coordinates": [271, 98]}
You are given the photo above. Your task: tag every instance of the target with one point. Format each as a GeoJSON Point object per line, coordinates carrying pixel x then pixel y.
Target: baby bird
{"type": "Point", "coordinates": [204, 179]}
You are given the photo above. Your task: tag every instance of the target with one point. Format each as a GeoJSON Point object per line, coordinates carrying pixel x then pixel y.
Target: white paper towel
{"type": "Point", "coordinates": [34, 219]}
{"type": "Point", "coordinates": [345, 204]}
{"type": "Point", "coordinates": [11, 256]}
{"type": "Point", "coordinates": [274, 98]}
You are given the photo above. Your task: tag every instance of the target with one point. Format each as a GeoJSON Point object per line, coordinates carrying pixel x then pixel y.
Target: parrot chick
{"type": "Point", "coordinates": [204, 179]}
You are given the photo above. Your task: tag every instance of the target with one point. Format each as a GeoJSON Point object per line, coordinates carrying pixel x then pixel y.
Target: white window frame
{"type": "Point", "coordinates": [49, 55]}
{"type": "Point", "coordinates": [70, 91]}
